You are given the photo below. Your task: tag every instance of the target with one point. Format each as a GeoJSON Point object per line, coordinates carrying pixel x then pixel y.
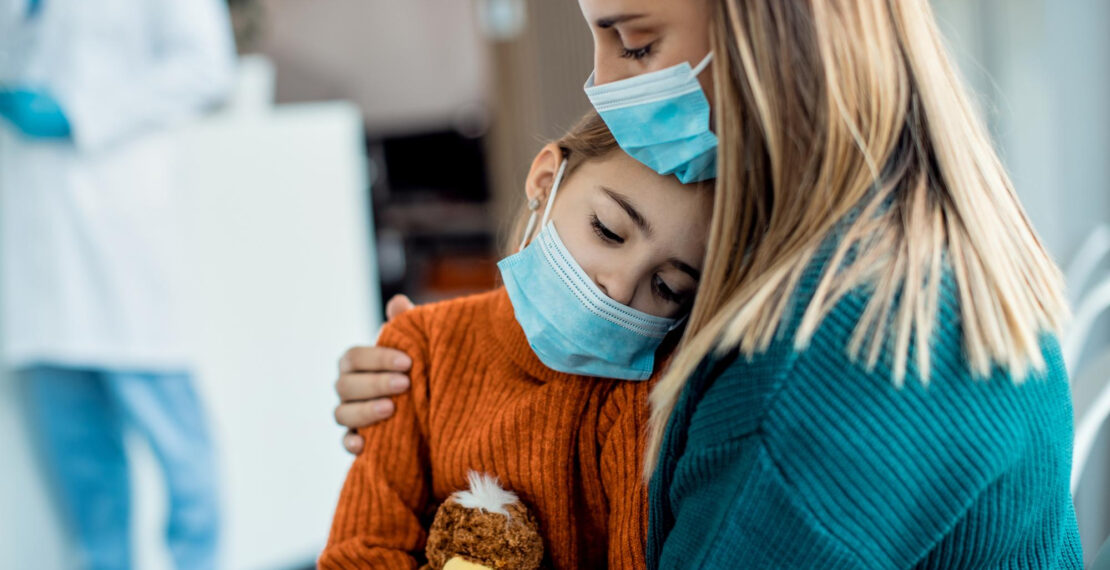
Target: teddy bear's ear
{"type": "Point", "coordinates": [485, 493]}
{"type": "Point", "coordinates": [458, 563]}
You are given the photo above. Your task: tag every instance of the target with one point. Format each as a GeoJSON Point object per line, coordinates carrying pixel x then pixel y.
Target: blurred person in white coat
{"type": "Point", "coordinates": [88, 252]}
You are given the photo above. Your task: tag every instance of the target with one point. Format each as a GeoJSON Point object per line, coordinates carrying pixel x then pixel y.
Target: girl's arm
{"type": "Point", "coordinates": [378, 523]}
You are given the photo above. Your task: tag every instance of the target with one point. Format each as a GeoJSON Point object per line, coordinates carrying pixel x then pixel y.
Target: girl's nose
{"type": "Point", "coordinates": [617, 288]}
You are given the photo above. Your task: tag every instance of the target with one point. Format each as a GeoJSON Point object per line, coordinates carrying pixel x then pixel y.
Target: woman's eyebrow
{"type": "Point", "coordinates": [629, 209]}
{"type": "Point", "coordinates": [609, 22]}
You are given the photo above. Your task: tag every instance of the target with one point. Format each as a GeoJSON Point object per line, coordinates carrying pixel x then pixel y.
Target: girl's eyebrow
{"type": "Point", "coordinates": [626, 205]}
{"type": "Point", "coordinates": [685, 268]}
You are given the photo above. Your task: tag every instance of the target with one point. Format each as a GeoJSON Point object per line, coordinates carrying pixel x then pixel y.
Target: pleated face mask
{"type": "Point", "coordinates": [570, 323]}
{"type": "Point", "coordinates": [661, 119]}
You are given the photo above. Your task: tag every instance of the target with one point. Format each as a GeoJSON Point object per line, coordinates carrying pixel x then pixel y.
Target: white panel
{"type": "Point", "coordinates": [283, 284]}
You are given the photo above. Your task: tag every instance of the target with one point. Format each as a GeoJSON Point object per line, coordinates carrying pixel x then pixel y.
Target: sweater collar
{"type": "Point", "coordinates": [512, 345]}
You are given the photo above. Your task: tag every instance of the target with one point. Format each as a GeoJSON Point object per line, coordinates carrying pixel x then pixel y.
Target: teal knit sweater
{"type": "Point", "coordinates": [809, 460]}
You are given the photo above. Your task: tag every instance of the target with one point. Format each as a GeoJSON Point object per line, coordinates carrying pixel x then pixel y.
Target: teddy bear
{"type": "Point", "coordinates": [485, 527]}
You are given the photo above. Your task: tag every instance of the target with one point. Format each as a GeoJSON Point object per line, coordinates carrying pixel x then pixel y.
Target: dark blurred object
{"type": "Point", "coordinates": [436, 236]}
{"type": "Point", "coordinates": [248, 18]}
{"type": "Point", "coordinates": [444, 163]}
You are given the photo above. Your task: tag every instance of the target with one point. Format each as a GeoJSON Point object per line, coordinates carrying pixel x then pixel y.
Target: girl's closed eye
{"type": "Point", "coordinates": [604, 232]}
{"type": "Point", "coordinates": [668, 294]}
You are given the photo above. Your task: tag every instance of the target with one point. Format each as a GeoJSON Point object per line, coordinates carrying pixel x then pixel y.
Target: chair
{"type": "Point", "coordinates": [1090, 308]}
{"type": "Point", "coordinates": [1094, 249]}
{"type": "Point", "coordinates": [1091, 402]}
{"type": "Point", "coordinates": [1102, 559]}
{"type": "Point", "coordinates": [1089, 303]}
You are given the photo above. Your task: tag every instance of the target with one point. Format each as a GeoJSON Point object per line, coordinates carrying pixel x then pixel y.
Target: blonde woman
{"type": "Point", "coordinates": [870, 376]}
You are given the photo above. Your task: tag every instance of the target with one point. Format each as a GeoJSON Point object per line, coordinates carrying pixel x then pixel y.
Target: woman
{"type": "Point", "coordinates": [870, 377]}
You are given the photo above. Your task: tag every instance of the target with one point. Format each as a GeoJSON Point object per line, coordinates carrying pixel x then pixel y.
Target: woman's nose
{"type": "Point", "coordinates": [607, 71]}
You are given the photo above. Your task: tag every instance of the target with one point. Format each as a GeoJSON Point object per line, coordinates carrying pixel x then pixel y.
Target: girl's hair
{"type": "Point", "coordinates": [849, 115]}
{"type": "Point", "coordinates": [588, 139]}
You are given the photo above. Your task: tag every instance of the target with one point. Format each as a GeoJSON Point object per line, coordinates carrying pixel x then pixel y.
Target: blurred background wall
{"type": "Point", "coordinates": [449, 100]}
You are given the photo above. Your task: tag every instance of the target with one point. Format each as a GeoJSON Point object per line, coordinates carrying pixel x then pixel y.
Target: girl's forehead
{"type": "Point", "coordinates": [620, 171]}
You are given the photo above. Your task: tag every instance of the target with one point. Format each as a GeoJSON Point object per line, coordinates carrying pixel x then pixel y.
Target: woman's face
{"type": "Point", "coordinates": [640, 236]}
{"type": "Point", "coordinates": [632, 37]}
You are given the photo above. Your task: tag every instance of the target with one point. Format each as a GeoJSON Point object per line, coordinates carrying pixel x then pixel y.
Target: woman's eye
{"type": "Point", "coordinates": [637, 53]}
{"type": "Point", "coordinates": [604, 232]}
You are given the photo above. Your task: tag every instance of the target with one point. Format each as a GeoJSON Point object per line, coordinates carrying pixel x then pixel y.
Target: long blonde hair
{"type": "Point", "coordinates": [848, 114]}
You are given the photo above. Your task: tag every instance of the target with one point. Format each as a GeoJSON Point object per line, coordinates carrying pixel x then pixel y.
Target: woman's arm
{"type": "Point", "coordinates": [368, 377]}
{"type": "Point", "coordinates": [822, 462]}
{"type": "Point", "coordinates": [742, 514]}
{"type": "Point", "coordinates": [378, 522]}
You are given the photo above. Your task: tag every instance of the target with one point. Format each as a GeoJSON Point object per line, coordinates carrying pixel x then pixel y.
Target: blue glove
{"type": "Point", "coordinates": [35, 113]}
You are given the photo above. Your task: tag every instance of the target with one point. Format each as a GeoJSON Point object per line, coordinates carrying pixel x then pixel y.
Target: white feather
{"type": "Point", "coordinates": [485, 493]}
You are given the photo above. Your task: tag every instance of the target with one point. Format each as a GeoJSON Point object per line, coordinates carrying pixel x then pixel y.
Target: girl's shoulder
{"type": "Point", "coordinates": [450, 325]}
{"type": "Point", "coordinates": [465, 312]}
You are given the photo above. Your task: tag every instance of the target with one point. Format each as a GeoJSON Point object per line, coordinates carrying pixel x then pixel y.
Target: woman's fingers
{"type": "Point", "coordinates": [368, 375]}
{"type": "Point", "coordinates": [353, 442]}
{"type": "Point", "coordinates": [397, 305]}
{"type": "Point", "coordinates": [373, 359]}
{"type": "Point", "coordinates": [356, 415]}
{"type": "Point", "coordinates": [354, 387]}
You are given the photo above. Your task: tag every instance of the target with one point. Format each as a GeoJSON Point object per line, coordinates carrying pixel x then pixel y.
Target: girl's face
{"type": "Point", "coordinates": [632, 37]}
{"type": "Point", "coordinates": [640, 236]}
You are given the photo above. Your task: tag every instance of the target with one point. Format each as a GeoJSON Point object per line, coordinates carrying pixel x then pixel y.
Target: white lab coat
{"type": "Point", "coordinates": [89, 237]}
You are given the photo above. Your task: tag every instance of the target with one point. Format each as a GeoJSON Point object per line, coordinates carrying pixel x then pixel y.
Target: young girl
{"type": "Point", "coordinates": [543, 382]}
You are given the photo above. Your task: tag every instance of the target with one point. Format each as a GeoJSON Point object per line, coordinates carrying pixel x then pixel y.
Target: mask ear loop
{"type": "Point", "coordinates": [704, 64]}
{"type": "Point", "coordinates": [534, 205]}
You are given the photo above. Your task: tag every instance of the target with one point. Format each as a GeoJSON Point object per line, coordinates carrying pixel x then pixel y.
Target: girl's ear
{"type": "Point", "coordinates": [542, 174]}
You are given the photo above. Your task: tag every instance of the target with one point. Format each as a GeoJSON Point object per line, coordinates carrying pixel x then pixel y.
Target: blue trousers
{"type": "Point", "coordinates": [81, 416]}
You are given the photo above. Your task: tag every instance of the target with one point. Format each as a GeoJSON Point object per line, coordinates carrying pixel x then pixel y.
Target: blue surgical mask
{"type": "Point", "coordinates": [661, 119]}
{"type": "Point", "coordinates": [572, 325]}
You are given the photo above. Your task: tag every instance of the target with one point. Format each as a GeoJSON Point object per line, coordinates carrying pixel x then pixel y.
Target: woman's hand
{"type": "Point", "coordinates": [368, 376]}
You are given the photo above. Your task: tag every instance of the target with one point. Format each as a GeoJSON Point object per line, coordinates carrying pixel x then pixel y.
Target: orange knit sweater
{"type": "Point", "coordinates": [569, 446]}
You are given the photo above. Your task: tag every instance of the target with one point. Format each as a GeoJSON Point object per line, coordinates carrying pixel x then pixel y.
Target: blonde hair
{"type": "Point", "coordinates": [848, 115]}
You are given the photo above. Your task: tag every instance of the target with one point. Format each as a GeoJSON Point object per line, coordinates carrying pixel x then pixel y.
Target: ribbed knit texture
{"type": "Point", "coordinates": [569, 446]}
{"type": "Point", "coordinates": [808, 460]}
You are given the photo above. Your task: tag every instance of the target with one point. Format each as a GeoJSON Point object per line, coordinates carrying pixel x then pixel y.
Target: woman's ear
{"type": "Point", "coordinates": [542, 174]}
